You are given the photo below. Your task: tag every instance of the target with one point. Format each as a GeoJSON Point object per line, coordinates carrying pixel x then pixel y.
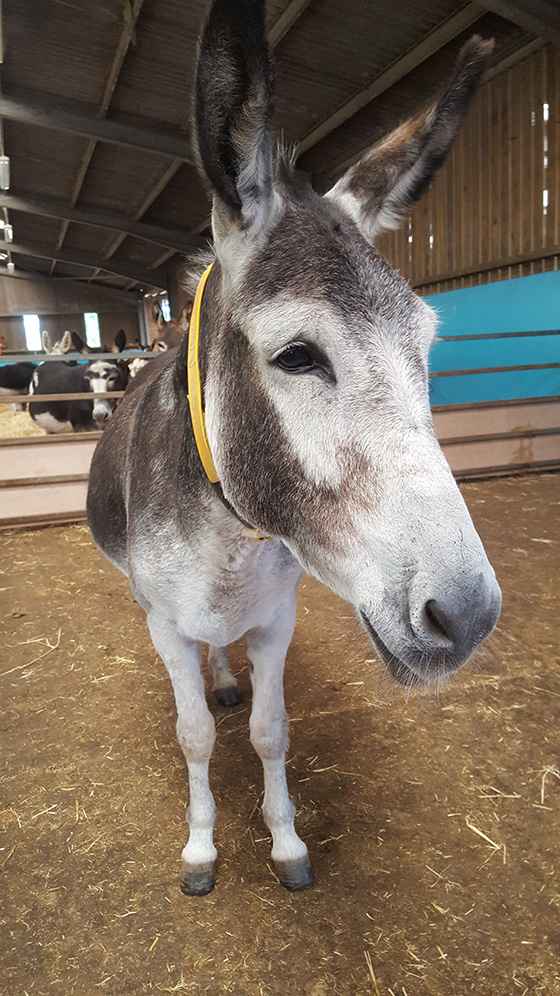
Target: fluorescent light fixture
{"type": "Point", "coordinates": [4, 172]}
{"type": "Point", "coordinates": [8, 233]}
{"type": "Point", "coordinates": [11, 267]}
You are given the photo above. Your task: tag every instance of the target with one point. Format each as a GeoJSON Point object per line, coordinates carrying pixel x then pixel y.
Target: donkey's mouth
{"type": "Point", "coordinates": [436, 665]}
{"type": "Point", "coordinates": [399, 670]}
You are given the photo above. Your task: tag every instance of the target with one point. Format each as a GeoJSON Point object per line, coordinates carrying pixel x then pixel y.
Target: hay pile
{"type": "Point", "coordinates": [15, 424]}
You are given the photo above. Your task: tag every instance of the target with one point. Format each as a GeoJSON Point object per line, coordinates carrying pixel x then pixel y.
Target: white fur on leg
{"type": "Point", "coordinates": [219, 669]}
{"type": "Point", "coordinates": [195, 731]}
{"type": "Point", "coordinates": [267, 647]}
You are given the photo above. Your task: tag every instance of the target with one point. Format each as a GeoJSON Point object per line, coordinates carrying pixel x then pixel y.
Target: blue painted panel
{"type": "Point", "coordinates": [526, 304]}
{"type": "Point", "coordinates": [494, 353]}
{"type": "Point", "coordinates": [494, 386]}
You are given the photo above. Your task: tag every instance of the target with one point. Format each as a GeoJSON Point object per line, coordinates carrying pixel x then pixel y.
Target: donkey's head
{"type": "Point", "coordinates": [60, 347]}
{"type": "Point", "coordinates": [316, 384]}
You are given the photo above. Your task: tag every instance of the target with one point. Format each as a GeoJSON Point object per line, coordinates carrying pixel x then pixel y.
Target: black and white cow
{"type": "Point", "coordinates": [72, 378]}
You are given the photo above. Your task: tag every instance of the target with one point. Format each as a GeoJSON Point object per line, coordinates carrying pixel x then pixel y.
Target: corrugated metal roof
{"type": "Point", "coordinates": [89, 63]}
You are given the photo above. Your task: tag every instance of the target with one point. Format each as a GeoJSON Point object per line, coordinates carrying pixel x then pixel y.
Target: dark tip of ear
{"type": "Point", "coordinates": [474, 52]}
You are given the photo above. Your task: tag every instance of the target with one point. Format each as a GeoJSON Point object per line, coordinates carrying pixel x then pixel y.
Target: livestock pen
{"type": "Point", "coordinates": [431, 816]}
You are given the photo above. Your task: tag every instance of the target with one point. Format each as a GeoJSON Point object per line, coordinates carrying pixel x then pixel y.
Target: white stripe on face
{"type": "Point", "coordinates": [103, 407]}
{"type": "Point", "coordinates": [303, 402]}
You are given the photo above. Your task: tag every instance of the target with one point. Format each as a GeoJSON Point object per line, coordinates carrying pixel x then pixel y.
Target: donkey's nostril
{"type": "Point", "coordinates": [437, 622]}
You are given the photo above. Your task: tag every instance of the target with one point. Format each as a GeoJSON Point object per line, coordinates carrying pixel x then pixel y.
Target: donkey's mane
{"type": "Point", "coordinates": [196, 265]}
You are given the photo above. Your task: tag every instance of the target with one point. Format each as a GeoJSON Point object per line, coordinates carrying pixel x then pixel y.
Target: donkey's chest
{"type": "Point", "coordinates": [220, 595]}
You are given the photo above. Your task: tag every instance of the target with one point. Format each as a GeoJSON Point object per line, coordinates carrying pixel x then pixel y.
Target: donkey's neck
{"type": "Point", "coordinates": [194, 473]}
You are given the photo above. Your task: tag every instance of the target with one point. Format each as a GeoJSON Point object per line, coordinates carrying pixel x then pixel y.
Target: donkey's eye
{"type": "Point", "coordinates": [296, 359]}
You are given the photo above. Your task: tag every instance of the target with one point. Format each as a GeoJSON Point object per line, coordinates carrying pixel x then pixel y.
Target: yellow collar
{"type": "Point", "coordinates": [195, 398]}
{"type": "Point", "coordinates": [193, 383]}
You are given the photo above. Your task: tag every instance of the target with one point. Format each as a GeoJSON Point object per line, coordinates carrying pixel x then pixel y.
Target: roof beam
{"type": "Point", "coordinates": [36, 277]}
{"type": "Point", "coordinates": [149, 278]}
{"type": "Point", "coordinates": [130, 17]}
{"type": "Point", "coordinates": [285, 22]}
{"type": "Point", "coordinates": [541, 17]}
{"type": "Point", "coordinates": [426, 48]}
{"type": "Point", "coordinates": [51, 208]}
{"type": "Point", "coordinates": [36, 111]}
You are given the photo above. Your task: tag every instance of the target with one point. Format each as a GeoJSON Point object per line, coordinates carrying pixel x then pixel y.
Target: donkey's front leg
{"type": "Point", "coordinates": [267, 647]}
{"type": "Point", "coordinates": [196, 734]}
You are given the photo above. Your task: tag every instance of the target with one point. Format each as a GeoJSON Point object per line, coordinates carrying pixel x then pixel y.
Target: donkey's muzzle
{"type": "Point", "coordinates": [101, 412]}
{"type": "Point", "coordinates": [443, 631]}
{"type": "Point", "coordinates": [456, 619]}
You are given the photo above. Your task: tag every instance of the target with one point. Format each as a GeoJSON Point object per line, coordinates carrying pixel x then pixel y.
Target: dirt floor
{"type": "Point", "coordinates": [432, 822]}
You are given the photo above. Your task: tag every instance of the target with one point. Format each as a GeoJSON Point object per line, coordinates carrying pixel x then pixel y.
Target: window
{"type": "Point", "coordinates": [91, 321]}
{"type": "Point", "coordinates": [32, 328]}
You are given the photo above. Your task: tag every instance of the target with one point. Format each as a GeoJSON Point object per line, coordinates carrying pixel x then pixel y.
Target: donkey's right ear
{"type": "Point", "coordinates": [234, 101]}
{"type": "Point", "coordinates": [46, 341]}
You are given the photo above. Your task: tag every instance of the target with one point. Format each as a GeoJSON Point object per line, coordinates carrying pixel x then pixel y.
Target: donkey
{"type": "Point", "coordinates": [171, 332]}
{"type": "Point", "coordinates": [72, 377]}
{"type": "Point", "coordinates": [117, 346]}
{"type": "Point", "coordinates": [316, 433]}
{"type": "Point", "coordinates": [60, 347]}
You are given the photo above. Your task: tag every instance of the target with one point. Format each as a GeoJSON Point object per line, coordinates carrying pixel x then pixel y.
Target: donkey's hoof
{"type": "Point", "coordinates": [228, 696]}
{"type": "Point", "coordinates": [197, 881]}
{"type": "Point", "coordinates": [295, 875]}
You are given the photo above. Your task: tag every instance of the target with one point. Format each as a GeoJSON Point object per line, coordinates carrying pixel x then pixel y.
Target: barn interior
{"type": "Point", "coordinates": [432, 819]}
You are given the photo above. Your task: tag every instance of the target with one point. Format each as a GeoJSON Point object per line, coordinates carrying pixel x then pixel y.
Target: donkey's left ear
{"type": "Point", "coordinates": [379, 190]}
{"type": "Point", "coordinates": [234, 99]}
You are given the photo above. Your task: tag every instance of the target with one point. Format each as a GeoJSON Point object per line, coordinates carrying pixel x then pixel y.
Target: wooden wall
{"type": "Point", "coordinates": [483, 218]}
{"type": "Point", "coordinates": [60, 306]}
{"type": "Point", "coordinates": [13, 331]}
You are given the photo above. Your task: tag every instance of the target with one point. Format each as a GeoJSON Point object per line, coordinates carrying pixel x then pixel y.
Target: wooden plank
{"type": "Point", "coordinates": [494, 370]}
{"type": "Point", "coordinates": [503, 452]}
{"type": "Point", "coordinates": [553, 151]}
{"type": "Point", "coordinates": [43, 502]}
{"type": "Point", "coordinates": [72, 455]}
{"type": "Point", "coordinates": [44, 479]}
{"type": "Point", "coordinates": [41, 522]}
{"type": "Point", "coordinates": [498, 417]}
{"type": "Point", "coordinates": [6, 399]}
{"type": "Point", "coordinates": [54, 440]}
{"type": "Point", "coordinates": [38, 482]}
{"type": "Point", "coordinates": [135, 354]}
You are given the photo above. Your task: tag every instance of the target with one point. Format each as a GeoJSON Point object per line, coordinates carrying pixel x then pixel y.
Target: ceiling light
{"type": "Point", "coordinates": [8, 233]}
{"type": "Point", "coordinates": [10, 267]}
{"type": "Point", "coordinates": [4, 172]}
{"type": "Point", "coordinates": [3, 255]}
